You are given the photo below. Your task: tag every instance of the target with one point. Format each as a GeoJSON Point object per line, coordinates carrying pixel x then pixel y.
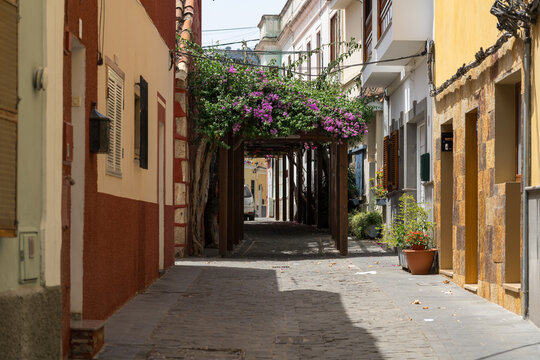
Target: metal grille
{"type": "Point", "coordinates": [115, 101]}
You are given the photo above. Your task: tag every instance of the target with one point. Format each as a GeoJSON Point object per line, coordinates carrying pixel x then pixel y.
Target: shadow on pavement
{"type": "Point", "coordinates": [268, 239]}
{"type": "Point", "coordinates": [236, 313]}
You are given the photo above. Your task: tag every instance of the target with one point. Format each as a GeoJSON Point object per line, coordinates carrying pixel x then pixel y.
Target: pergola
{"type": "Point", "coordinates": [231, 183]}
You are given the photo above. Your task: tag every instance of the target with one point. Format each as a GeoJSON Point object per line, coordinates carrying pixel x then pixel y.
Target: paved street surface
{"type": "Point", "coordinates": [287, 294]}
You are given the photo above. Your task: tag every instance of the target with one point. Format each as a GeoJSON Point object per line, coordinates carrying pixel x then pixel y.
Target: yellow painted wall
{"type": "Point", "coordinates": [535, 103]}
{"type": "Point", "coordinates": [134, 41]}
{"type": "Point", "coordinates": [260, 179]}
{"type": "Point", "coordinates": [461, 28]}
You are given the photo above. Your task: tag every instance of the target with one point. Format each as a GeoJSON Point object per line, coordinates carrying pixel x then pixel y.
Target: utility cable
{"type": "Point", "coordinates": [230, 29]}
{"type": "Point", "coordinates": [236, 62]}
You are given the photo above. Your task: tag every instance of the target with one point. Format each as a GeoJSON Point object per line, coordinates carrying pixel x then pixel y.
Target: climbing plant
{"type": "Point", "coordinates": [249, 101]}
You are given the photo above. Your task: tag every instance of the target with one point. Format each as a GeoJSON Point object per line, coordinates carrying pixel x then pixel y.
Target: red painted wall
{"type": "Point", "coordinates": [163, 14]}
{"type": "Point", "coordinates": [121, 254]}
{"type": "Point", "coordinates": [121, 238]}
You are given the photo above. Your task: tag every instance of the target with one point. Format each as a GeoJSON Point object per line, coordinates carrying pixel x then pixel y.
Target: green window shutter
{"type": "Point", "coordinates": [143, 160]}
{"type": "Point", "coordinates": [424, 167]}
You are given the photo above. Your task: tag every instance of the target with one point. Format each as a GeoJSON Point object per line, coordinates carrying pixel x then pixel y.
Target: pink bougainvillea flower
{"type": "Point", "coordinates": [236, 127]}
{"type": "Point", "coordinates": [273, 132]}
{"type": "Point", "coordinates": [232, 70]}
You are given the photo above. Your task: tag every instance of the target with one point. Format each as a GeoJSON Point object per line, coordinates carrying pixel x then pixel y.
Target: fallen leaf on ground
{"type": "Point", "coordinates": [459, 321]}
{"type": "Point", "coordinates": [410, 319]}
{"type": "Point", "coordinates": [416, 302]}
{"type": "Point", "coordinates": [376, 262]}
{"type": "Point", "coordinates": [446, 282]}
{"type": "Point", "coordinates": [425, 307]}
{"type": "Point", "coordinates": [319, 263]}
{"type": "Point", "coordinates": [453, 314]}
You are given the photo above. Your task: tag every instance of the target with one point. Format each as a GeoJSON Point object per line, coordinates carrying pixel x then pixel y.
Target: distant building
{"type": "Point", "coordinates": [255, 177]}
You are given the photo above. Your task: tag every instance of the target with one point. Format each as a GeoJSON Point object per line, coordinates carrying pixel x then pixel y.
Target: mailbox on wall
{"type": "Point", "coordinates": [447, 141]}
{"type": "Point", "coordinates": [100, 127]}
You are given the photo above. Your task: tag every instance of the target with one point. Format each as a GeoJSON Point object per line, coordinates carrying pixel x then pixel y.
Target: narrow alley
{"type": "Point", "coordinates": [287, 294]}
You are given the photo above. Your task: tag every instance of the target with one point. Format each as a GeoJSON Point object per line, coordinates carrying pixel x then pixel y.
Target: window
{"type": "Point", "coordinates": [334, 38]}
{"type": "Point", "coordinates": [507, 130]}
{"type": "Point", "coordinates": [8, 118]}
{"type": "Point", "coordinates": [115, 104]}
{"type": "Point", "coordinates": [319, 54]}
{"type": "Point", "coordinates": [143, 124]}
{"type": "Point", "coordinates": [391, 161]}
{"type": "Point", "coordinates": [308, 49]}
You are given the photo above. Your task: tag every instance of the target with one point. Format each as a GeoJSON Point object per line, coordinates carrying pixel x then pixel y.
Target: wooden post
{"type": "Point", "coordinates": [291, 187]}
{"type": "Point", "coordinates": [285, 187]}
{"type": "Point", "coordinates": [299, 205]}
{"type": "Point", "coordinates": [239, 192]}
{"type": "Point", "coordinates": [276, 188]}
{"type": "Point", "coordinates": [343, 199]}
{"type": "Point", "coordinates": [223, 201]}
{"type": "Point", "coordinates": [309, 196]}
{"type": "Point", "coordinates": [319, 187]}
{"type": "Point", "coordinates": [335, 175]}
{"type": "Point", "coordinates": [231, 203]}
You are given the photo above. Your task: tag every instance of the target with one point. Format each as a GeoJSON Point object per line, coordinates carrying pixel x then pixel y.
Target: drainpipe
{"type": "Point", "coordinates": [526, 167]}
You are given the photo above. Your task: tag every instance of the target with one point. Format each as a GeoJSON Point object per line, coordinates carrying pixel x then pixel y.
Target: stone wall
{"type": "Point", "coordinates": [31, 323]}
{"type": "Point", "coordinates": [496, 222]}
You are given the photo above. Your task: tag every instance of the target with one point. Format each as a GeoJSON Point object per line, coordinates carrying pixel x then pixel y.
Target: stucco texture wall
{"type": "Point", "coordinates": [461, 28]}
{"type": "Point", "coordinates": [498, 219]}
{"type": "Point", "coordinates": [134, 42]}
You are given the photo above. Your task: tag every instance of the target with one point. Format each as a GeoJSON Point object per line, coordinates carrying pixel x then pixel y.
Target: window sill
{"type": "Point", "coordinates": [513, 287]}
{"type": "Point", "coordinates": [114, 174]}
{"type": "Point", "coordinates": [449, 273]}
{"type": "Point", "coordinates": [471, 287]}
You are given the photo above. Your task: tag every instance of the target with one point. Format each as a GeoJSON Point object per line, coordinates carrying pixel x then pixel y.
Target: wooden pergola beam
{"type": "Point", "coordinates": [291, 187]}
{"type": "Point", "coordinates": [309, 195]}
{"type": "Point", "coordinates": [284, 187]}
{"type": "Point", "coordinates": [223, 200]}
{"type": "Point", "coordinates": [276, 188]}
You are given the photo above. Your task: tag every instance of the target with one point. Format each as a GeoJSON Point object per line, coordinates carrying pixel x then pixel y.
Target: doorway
{"type": "Point", "coordinates": [447, 199]}
{"type": "Point", "coordinates": [78, 121]}
{"type": "Point", "coordinates": [471, 197]}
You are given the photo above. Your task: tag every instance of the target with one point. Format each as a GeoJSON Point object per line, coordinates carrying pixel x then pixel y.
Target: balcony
{"type": "Point", "coordinates": [401, 29]}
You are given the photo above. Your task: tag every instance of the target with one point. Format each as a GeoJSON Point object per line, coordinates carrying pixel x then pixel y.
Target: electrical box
{"type": "Point", "coordinates": [29, 256]}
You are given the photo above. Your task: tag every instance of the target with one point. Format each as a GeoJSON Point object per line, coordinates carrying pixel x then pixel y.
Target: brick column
{"type": "Point", "coordinates": [180, 170]}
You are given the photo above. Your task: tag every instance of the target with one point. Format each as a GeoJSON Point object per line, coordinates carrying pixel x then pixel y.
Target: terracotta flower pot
{"type": "Point", "coordinates": [419, 261]}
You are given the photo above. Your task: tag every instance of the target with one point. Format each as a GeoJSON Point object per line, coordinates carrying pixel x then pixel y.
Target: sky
{"type": "Point", "coordinates": [226, 14]}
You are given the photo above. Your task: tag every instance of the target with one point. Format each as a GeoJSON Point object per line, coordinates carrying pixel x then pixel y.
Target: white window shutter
{"type": "Point", "coordinates": [115, 100]}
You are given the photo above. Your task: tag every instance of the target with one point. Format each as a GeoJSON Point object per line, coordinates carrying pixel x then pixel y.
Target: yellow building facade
{"type": "Point", "coordinates": [255, 177]}
{"type": "Point", "coordinates": [477, 164]}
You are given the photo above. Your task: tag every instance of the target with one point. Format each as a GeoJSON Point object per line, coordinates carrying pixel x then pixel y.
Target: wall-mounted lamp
{"type": "Point", "coordinates": [99, 131]}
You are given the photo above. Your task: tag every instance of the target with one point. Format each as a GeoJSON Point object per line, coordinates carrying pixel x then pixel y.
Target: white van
{"type": "Point", "coordinates": [249, 204]}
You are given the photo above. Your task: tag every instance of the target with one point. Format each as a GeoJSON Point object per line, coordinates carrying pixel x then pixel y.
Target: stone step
{"type": "Point", "coordinates": [87, 338]}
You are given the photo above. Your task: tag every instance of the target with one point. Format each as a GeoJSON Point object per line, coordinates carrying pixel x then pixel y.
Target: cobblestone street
{"type": "Point", "coordinates": [287, 294]}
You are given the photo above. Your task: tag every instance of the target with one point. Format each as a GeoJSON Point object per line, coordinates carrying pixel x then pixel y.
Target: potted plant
{"type": "Point", "coordinates": [419, 255]}
{"type": "Point", "coordinates": [378, 189]}
{"type": "Point", "coordinates": [411, 217]}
